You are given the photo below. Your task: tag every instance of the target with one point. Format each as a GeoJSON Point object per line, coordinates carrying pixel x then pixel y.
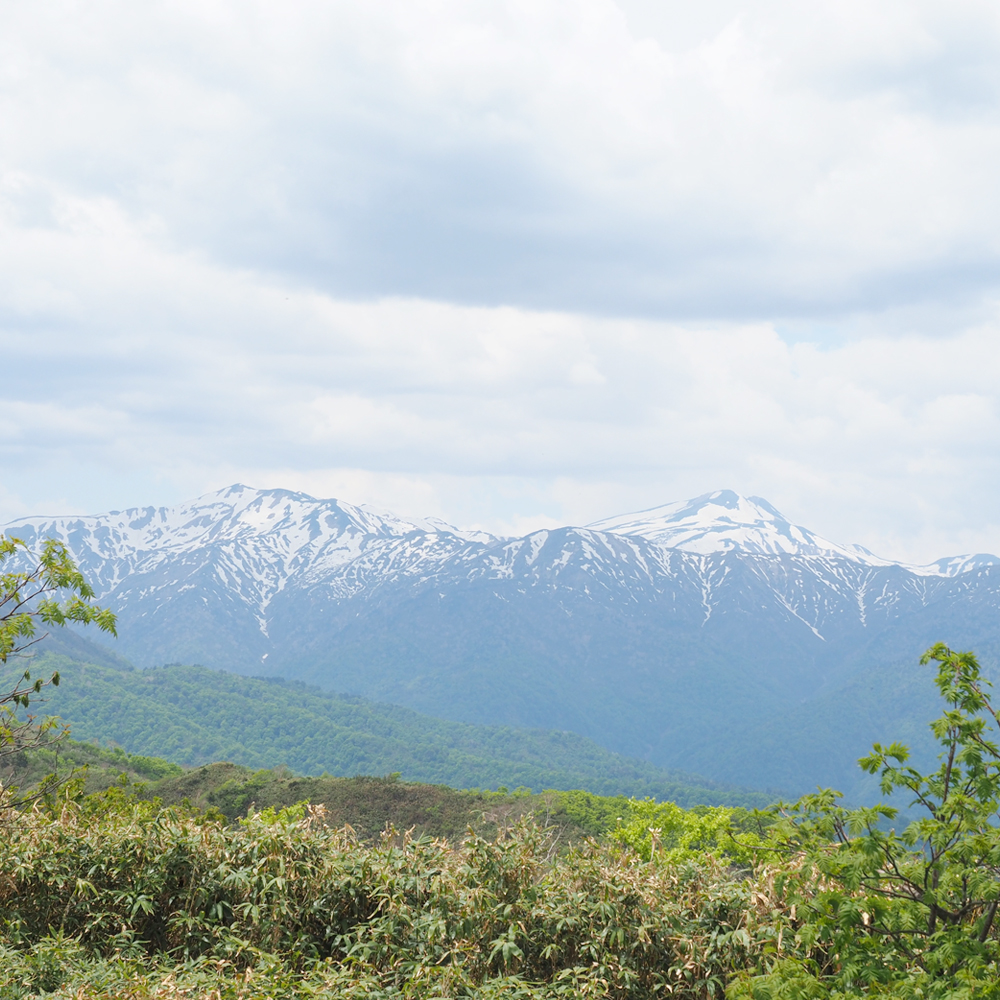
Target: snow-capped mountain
{"type": "Point", "coordinates": [724, 521]}
{"type": "Point", "coordinates": [662, 634]}
{"type": "Point", "coordinates": [277, 533]}
{"type": "Point", "coordinates": [252, 542]}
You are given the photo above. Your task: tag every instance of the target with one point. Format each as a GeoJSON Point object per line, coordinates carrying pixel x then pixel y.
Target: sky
{"type": "Point", "coordinates": [513, 264]}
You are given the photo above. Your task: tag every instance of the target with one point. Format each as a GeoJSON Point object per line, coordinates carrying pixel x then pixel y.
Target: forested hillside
{"type": "Point", "coordinates": [367, 804]}
{"type": "Point", "coordinates": [192, 716]}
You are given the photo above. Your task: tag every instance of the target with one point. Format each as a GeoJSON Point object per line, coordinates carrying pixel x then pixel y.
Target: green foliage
{"type": "Point", "coordinates": [26, 596]}
{"type": "Point", "coordinates": [665, 830]}
{"type": "Point", "coordinates": [116, 897]}
{"type": "Point", "coordinates": [193, 716]}
{"type": "Point", "coordinates": [911, 911]}
{"type": "Point", "coordinates": [51, 591]}
{"type": "Point", "coordinates": [596, 813]}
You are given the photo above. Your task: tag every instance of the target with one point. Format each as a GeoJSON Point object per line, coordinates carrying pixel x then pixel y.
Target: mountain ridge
{"type": "Point", "coordinates": [666, 652]}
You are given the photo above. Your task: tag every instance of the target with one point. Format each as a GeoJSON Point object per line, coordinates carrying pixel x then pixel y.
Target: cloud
{"type": "Point", "coordinates": [155, 374]}
{"type": "Point", "coordinates": [513, 264]}
{"type": "Point", "coordinates": [736, 161]}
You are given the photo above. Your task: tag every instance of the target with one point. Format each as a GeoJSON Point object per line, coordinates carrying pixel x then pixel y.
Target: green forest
{"type": "Point", "coordinates": [125, 875]}
{"type": "Point", "coordinates": [192, 716]}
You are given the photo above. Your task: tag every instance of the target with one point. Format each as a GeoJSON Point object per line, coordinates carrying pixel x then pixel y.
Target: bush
{"type": "Point", "coordinates": [123, 880]}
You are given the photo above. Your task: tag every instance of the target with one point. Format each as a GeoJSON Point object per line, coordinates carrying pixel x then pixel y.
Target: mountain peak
{"type": "Point", "coordinates": [724, 521]}
{"type": "Point", "coordinates": [720, 521]}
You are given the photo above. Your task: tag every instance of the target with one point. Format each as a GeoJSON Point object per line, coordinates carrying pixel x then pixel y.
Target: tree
{"type": "Point", "coordinates": [912, 911]}
{"type": "Point", "coordinates": [50, 591]}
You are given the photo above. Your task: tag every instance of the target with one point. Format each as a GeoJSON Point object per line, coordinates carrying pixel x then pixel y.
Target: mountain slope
{"type": "Point", "coordinates": [193, 716]}
{"type": "Point", "coordinates": [674, 634]}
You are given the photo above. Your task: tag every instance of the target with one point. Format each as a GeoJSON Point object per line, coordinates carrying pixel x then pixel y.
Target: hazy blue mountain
{"type": "Point", "coordinates": [681, 635]}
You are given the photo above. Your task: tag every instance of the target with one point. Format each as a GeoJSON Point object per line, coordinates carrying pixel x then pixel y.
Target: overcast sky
{"type": "Point", "coordinates": [513, 264]}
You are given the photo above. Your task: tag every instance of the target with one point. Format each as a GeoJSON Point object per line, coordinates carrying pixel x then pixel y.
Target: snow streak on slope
{"type": "Point", "coordinates": [256, 541]}
{"type": "Point", "coordinates": [235, 552]}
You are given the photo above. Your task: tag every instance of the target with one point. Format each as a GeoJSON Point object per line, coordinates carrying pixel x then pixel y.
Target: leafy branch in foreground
{"type": "Point", "coordinates": [51, 592]}
{"type": "Point", "coordinates": [26, 596]}
{"type": "Point", "coordinates": [876, 907]}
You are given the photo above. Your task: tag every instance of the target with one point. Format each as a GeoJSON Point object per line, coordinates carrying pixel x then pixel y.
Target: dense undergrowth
{"type": "Point", "coordinates": [109, 895]}
{"type": "Point", "coordinates": [113, 896]}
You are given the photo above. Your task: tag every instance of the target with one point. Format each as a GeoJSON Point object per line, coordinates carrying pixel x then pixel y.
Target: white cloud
{"type": "Point", "coordinates": [378, 250]}
{"type": "Point", "coordinates": [158, 375]}
{"type": "Point", "coordinates": [735, 160]}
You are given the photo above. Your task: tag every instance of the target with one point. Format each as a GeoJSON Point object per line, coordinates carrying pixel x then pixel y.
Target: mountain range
{"type": "Point", "coordinates": [710, 635]}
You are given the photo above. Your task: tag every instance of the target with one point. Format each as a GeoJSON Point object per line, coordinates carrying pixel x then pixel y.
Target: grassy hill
{"type": "Point", "coordinates": [194, 716]}
{"type": "Point", "coordinates": [95, 766]}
